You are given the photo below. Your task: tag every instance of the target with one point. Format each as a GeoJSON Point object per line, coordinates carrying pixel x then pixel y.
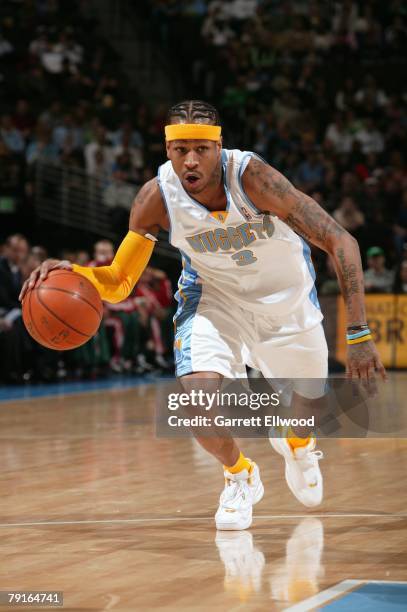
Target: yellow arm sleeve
{"type": "Point", "coordinates": [115, 282]}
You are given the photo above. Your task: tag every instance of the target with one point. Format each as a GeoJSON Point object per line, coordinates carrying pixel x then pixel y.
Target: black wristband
{"type": "Point", "coordinates": [357, 327]}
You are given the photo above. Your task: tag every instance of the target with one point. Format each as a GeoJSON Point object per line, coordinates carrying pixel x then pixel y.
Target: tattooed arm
{"type": "Point", "coordinates": [271, 192]}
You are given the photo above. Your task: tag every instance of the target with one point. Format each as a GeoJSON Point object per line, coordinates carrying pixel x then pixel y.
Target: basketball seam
{"type": "Point", "coordinates": [47, 343]}
{"type": "Point", "coordinates": [59, 319]}
{"type": "Point", "coordinates": [74, 293]}
{"type": "Point", "coordinates": [32, 320]}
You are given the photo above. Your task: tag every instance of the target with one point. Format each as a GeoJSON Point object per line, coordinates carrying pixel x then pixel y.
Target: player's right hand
{"type": "Point", "coordinates": [41, 273]}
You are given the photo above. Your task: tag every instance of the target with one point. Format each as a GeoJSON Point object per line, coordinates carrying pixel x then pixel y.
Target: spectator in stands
{"type": "Point", "coordinates": [53, 115]}
{"type": "Point", "coordinates": [128, 323]}
{"type": "Point", "coordinates": [82, 258]}
{"type": "Point", "coordinates": [370, 138]}
{"type": "Point", "coordinates": [15, 254]}
{"type": "Point", "coordinates": [6, 48]}
{"type": "Point", "coordinates": [66, 135]}
{"type": "Point", "coordinates": [36, 256]}
{"type": "Point", "coordinates": [339, 135]}
{"type": "Point", "coordinates": [10, 177]}
{"type": "Point", "coordinates": [42, 148]}
{"type": "Point", "coordinates": [118, 198]}
{"type": "Point", "coordinates": [370, 91]}
{"type": "Point", "coordinates": [99, 153]}
{"type": "Point", "coordinates": [378, 279]}
{"type": "Point", "coordinates": [154, 287]}
{"type": "Point", "coordinates": [125, 145]}
{"type": "Point", "coordinates": [310, 173]}
{"type": "Point", "coordinates": [15, 340]}
{"type": "Point", "coordinates": [11, 137]}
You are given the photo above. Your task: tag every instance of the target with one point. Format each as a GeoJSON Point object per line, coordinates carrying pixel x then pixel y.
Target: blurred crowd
{"type": "Point", "coordinates": [65, 100]}
{"type": "Point", "coordinates": [316, 88]}
{"type": "Point", "coordinates": [134, 337]}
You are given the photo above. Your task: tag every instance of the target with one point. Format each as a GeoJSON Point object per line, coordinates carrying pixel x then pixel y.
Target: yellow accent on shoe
{"type": "Point", "coordinates": [296, 442]}
{"type": "Point", "coordinates": [241, 464]}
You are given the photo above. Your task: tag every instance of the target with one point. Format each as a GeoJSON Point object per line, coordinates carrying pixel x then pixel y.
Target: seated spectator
{"type": "Point", "coordinates": [82, 258]}
{"type": "Point", "coordinates": [378, 279]}
{"type": "Point", "coordinates": [155, 288]}
{"type": "Point", "coordinates": [349, 215]}
{"type": "Point", "coordinates": [371, 91]}
{"type": "Point", "coordinates": [310, 173]}
{"type": "Point", "coordinates": [10, 178]}
{"type": "Point", "coordinates": [370, 138]}
{"type": "Point", "coordinates": [52, 116]}
{"type": "Point", "coordinates": [11, 137]}
{"type": "Point", "coordinates": [16, 342]}
{"type": "Point", "coordinates": [36, 256]}
{"type": "Point", "coordinates": [6, 48]}
{"type": "Point", "coordinates": [101, 145]}
{"type": "Point", "coordinates": [339, 135]}
{"type": "Point", "coordinates": [125, 146]}
{"type": "Point", "coordinates": [42, 148]}
{"type": "Point", "coordinates": [127, 134]}
{"type": "Point", "coordinates": [118, 198]}
{"type": "Point", "coordinates": [40, 44]}
{"type": "Point", "coordinates": [127, 323]}
{"type": "Point", "coordinates": [67, 134]}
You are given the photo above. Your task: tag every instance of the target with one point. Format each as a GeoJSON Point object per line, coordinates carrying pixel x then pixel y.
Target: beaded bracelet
{"type": "Point", "coordinates": [358, 327]}
{"type": "Point", "coordinates": [361, 336]}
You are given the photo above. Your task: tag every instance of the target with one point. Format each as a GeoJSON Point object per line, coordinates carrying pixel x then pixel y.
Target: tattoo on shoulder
{"type": "Point", "coordinates": [270, 180]}
{"type": "Point", "coordinates": [306, 217]}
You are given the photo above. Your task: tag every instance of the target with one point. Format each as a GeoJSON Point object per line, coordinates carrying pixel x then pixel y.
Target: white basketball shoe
{"type": "Point", "coordinates": [302, 471]}
{"type": "Point", "coordinates": [237, 499]}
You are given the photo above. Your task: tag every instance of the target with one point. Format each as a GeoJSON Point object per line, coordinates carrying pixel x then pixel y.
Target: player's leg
{"type": "Point", "coordinates": [215, 441]}
{"type": "Point", "coordinates": [207, 349]}
{"type": "Point", "coordinates": [302, 359]}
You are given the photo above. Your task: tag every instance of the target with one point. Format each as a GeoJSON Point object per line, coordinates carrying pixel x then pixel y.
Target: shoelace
{"type": "Point", "coordinates": [309, 459]}
{"type": "Point", "coordinates": [233, 491]}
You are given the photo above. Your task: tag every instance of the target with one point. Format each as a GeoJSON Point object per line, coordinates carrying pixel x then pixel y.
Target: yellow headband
{"type": "Point", "coordinates": [192, 131]}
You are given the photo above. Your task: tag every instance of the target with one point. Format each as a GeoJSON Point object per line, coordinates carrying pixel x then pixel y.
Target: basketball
{"type": "Point", "coordinates": [62, 312]}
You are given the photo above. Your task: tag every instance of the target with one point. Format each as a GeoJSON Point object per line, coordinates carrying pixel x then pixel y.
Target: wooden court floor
{"type": "Point", "coordinates": [92, 504]}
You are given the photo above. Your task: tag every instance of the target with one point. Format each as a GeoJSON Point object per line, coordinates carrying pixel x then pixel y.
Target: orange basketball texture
{"type": "Point", "coordinates": [63, 311]}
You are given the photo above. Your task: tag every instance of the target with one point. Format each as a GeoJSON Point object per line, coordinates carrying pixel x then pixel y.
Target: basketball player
{"type": "Point", "coordinates": [246, 292]}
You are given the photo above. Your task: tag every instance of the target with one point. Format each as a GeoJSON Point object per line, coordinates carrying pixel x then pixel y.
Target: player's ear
{"type": "Point", "coordinates": [219, 145]}
{"type": "Point", "coordinates": [167, 146]}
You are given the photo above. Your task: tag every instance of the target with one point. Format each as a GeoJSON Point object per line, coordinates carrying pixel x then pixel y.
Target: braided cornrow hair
{"type": "Point", "coordinates": [193, 111]}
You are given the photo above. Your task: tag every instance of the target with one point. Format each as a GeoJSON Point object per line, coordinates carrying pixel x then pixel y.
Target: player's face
{"type": "Point", "coordinates": [195, 162]}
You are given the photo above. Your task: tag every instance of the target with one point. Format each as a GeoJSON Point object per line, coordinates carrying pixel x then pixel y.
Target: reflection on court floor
{"type": "Point", "coordinates": [93, 504]}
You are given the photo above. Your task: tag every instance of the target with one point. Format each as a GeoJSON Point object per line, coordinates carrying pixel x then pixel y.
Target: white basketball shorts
{"type": "Point", "coordinates": [212, 335]}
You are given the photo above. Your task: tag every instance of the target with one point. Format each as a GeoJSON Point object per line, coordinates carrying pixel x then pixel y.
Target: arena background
{"type": "Point", "coordinates": [316, 88]}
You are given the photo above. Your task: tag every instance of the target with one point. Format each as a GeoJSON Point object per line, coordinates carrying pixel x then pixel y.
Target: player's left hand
{"type": "Point", "coordinates": [363, 362]}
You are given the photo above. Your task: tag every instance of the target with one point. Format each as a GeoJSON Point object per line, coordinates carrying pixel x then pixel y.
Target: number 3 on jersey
{"type": "Point", "coordinates": [244, 258]}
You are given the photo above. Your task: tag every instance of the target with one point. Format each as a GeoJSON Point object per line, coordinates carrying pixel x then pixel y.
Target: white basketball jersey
{"type": "Point", "coordinates": [248, 257]}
